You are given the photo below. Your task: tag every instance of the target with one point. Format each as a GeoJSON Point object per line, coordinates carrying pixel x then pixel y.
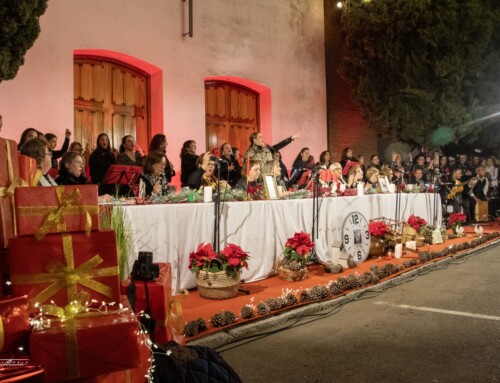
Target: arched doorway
{"type": "Point", "coordinates": [116, 94]}
{"type": "Point", "coordinates": [235, 108]}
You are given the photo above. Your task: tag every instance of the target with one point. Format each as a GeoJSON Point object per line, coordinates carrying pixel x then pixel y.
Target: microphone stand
{"type": "Point", "coordinates": [436, 185]}
{"type": "Point", "coordinates": [216, 244]}
{"type": "Point", "coordinates": [315, 216]}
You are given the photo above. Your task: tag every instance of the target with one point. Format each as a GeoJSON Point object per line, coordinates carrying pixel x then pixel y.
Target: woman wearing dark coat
{"type": "Point", "coordinates": [188, 161]}
{"type": "Point", "coordinates": [230, 169]}
{"type": "Point", "coordinates": [99, 162]}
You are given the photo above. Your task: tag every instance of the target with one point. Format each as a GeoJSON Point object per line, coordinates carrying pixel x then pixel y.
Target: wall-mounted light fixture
{"type": "Point", "coordinates": [190, 7]}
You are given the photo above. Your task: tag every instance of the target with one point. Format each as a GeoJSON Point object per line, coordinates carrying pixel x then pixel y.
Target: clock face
{"type": "Point", "coordinates": [356, 237]}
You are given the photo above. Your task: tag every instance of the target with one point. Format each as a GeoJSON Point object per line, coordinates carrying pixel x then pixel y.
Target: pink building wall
{"type": "Point", "coordinates": [276, 44]}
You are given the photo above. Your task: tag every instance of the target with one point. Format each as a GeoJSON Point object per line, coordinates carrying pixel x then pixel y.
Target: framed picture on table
{"type": "Point", "coordinates": [385, 186]}
{"type": "Point", "coordinates": [271, 187]}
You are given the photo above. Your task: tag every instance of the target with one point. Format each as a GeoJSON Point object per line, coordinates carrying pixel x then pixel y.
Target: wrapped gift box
{"type": "Point", "coordinates": [14, 323]}
{"type": "Point", "coordinates": [28, 170]}
{"type": "Point", "coordinates": [9, 179]}
{"type": "Point", "coordinates": [88, 345]}
{"type": "Point", "coordinates": [159, 292]}
{"type": "Point", "coordinates": [131, 375]}
{"type": "Point", "coordinates": [62, 265]}
{"type": "Point", "coordinates": [58, 209]}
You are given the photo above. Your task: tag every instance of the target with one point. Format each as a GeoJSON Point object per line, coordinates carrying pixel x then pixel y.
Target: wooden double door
{"type": "Point", "coordinates": [109, 98]}
{"type": "Point", "coordinates": [231, 114]}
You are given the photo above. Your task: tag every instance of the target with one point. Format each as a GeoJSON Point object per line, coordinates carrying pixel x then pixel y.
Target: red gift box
{"type": "Point", "coordinates": [14, 323]}
{"type": "Point", "coordinates": [159, 292]}
{"type": "Point", "coordinates": [64, 265]}
{"type": "Point", "coordinates": [87, 345]}
{"type": "Point", "coordinates": [58, 209]}
{"type": "Point", "coordinates": [9, 180]}
{"type": "Point", "coordinates": [28, 170]}
{"type": "Point", "coordinates": [131, 375]}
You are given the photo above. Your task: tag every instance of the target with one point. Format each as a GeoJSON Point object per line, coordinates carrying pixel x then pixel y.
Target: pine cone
{"type": "Point", "coordinates": [290, 299]}
{"type": "Point", "coordinates": [229, 317]}
{"type": "Point", "coordinates": [315, 293]}
{"type": "Point", "coordinates": [202, 325]}
{"type": "Point", "coordinates": [343, 284]}
{"type": "Point", "coordinates": [263, 308]}
{"type": "Point", "coordinates": [352, 281]}
{"type": "Point", "coordinates": [247, 312]}
{"type": "Point", "coordinates": [304, 296]}
{"type": "Point", "coordinates": [273, 304]}
{"type": "Point", "coordinates": [334, 288]}
{"type": "Point", "coordinates": [191, 328]}
{"type": "Point", "coordinates": [351, 263]}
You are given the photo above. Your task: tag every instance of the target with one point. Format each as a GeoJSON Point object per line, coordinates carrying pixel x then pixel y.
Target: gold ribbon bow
{"type": "Point", "coordinates": [75, 309]}
{"type": "Point", "coordinates": [67, 204]}
{"type": "Point", "coordinates": [61, 276]}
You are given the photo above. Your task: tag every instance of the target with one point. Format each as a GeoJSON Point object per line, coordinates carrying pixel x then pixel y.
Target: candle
{"type": "Point", "coordinates": [207, 194]}
{"type": "Point", "coordinates": [398, 250]}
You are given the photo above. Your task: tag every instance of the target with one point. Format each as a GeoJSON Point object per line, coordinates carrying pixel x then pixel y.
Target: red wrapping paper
{"type": "Point", "coordinates": [159, 297]}
{"type": "Point", "coordinates": [14, 323]}
{"type": "Point", "coordinates": [58, 209]}
{"type": "Point", "coordinates": [62, 265]}
{"type": "Point", "coordinates": [9, 178]}
{"type": "Point", "coordinates": [87, 346]}
{"type": "Point", "coordinates": [27, 169]}
{"type": "Point", "coordinates": [131, 375]}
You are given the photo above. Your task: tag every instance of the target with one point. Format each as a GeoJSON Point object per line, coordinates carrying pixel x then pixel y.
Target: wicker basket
{"type": "Point", "coordinates": [291, 275]}
{"type": "Point", "coordinates": [217, 285]}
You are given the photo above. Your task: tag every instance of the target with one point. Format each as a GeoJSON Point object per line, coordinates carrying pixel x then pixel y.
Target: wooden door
{"type": "Point", "coordinates": [231, 114]}
{"type": "Point", "coordinates": [109, 98]}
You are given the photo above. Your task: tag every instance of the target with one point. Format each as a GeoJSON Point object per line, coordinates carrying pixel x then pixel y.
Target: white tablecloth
{"type": "Point", "coordinates": [172, 231]}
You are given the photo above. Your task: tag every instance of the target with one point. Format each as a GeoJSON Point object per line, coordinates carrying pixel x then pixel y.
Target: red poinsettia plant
{"type": "Point", "coordinates": [231, 260]}
{"type": "Point", "coordinates": [298, 248]}
{"type": "Point", "coordinates": [456, 219]}
{"type": "Point", "coordinates": [416, 222]}
{"type": "Point", "coordinates": [378, 229]}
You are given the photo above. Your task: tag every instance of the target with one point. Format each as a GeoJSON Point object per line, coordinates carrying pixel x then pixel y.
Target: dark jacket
{"type": "Point", "coordinates": [58, 153]}
{"type": "Point", "coordinates": [188, 166]}
{"type": "Point", "coordinates": [230, 176]}
{"type": "Point", "coordinates": [66, 178]}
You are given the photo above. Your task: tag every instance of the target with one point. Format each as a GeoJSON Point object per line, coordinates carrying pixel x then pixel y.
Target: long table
{"type": "Point", "coordinates": [172, 231]}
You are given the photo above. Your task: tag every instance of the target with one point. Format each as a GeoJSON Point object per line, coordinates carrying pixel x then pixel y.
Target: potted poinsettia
{"type": "Point", "coordinates": [292, 266]}
{"type": "Point", "coordinates": [218, 275]}
{"type": "Point", "coordinates": [416, 222]}
{"type": "Point", "coordinates": [456, 222]}
{"type": "Point", "coordinates": [377, 230]}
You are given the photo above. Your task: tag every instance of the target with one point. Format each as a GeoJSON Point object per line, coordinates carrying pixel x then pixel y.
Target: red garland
{"type": "Point", "coordinates": [416, 222]}
{"type": "Point", "coordinates": [377, 228]}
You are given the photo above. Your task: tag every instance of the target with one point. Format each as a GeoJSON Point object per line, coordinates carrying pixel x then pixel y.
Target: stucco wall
{"type": "Point", "coordinates": [278, 43]}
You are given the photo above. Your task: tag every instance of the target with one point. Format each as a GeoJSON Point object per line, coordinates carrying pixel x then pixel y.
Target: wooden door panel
{"type": "Point", "coordinates": [231, 114]}
{"type": "Point", "coordinates": [112, 99]}
{"type": "Point", "coordinates": [76, 81]}
{"type": "Point", "coordinates": [117, 86]}
{"type": "Point", "coordinates": [98, 82]}
{"type": "Point", "coordinates": [128, 89]}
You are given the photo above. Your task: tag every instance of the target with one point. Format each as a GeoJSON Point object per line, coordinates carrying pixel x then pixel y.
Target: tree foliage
{"type": "Point", "coordinates": [19, 28]}
{"type": "Point", "coordinates": [420, 65]}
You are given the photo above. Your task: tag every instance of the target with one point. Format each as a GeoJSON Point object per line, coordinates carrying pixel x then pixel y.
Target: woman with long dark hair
{"type": "Point", "coordinates": [159, 142]}
{"type": "Point", "coordinates": [230, 169]}
{"type": "Point", "coordinates": [99, 162]}
{"type": "Point", "coordinates": [188, 161]}
{"type": "Point", "coordinates": [26, 135]}
{"type": "Point", "coordinates": [128, 155]}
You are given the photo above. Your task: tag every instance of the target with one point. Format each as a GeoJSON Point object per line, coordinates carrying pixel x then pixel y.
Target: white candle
{"type": "Point", "coordinates": [207, 194]}
{"type": "Point", "coordinates": [398, 250]}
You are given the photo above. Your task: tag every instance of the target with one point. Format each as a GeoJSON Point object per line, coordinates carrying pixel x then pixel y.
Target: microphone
{"type": "Point", "coordinates": [218, 159]}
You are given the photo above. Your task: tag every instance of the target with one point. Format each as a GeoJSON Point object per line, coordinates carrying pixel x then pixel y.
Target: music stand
{"type": "Point", "coordinates": [122, 175]}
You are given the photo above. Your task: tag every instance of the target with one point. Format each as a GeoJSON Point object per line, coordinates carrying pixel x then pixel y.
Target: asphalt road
{"type": "Point", "coordinates": [451, 333]}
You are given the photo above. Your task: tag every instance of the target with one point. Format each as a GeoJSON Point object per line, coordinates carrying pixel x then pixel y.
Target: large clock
{"type": "Point", "coordinates": [356, 236]}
